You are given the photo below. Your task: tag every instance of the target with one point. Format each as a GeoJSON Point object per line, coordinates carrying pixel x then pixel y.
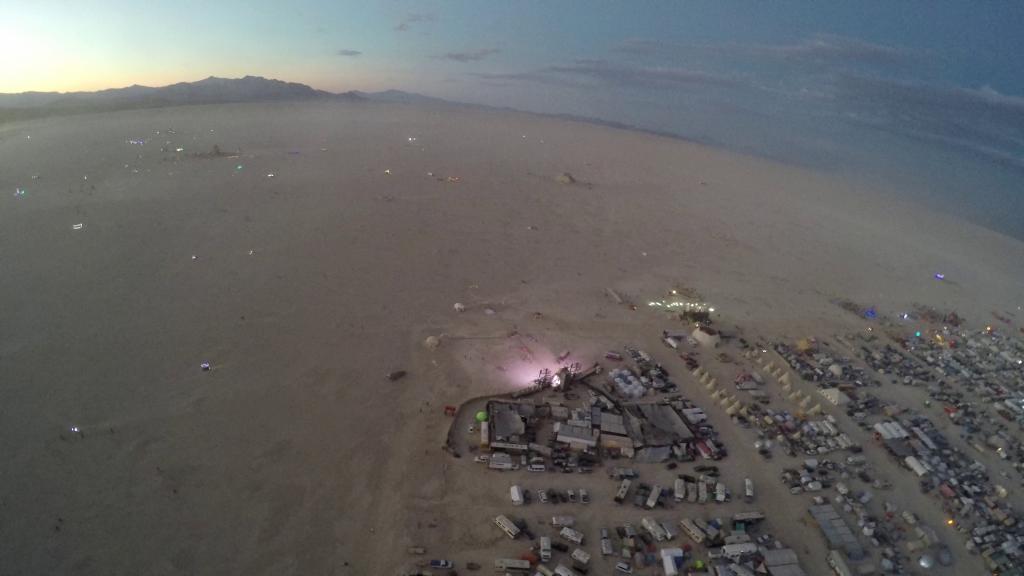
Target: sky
{"type": "Point", "coordinates": [924, 95]}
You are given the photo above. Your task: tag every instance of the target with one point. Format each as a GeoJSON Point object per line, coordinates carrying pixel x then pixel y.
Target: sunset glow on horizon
{"type": "Point", "coordinates": [833, 86]}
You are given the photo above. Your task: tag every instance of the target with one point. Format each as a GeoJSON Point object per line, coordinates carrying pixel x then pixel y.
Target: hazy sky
{"type": "Point", "coordinates": [88, 44]}
{"type": "Point", "coordinates": [907, 84]}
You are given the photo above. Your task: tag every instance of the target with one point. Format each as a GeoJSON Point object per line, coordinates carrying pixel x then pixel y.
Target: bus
{"type": "Point", "coordinates": [748, 517]}
{"type": "Point", "coordinates": [513, 565]}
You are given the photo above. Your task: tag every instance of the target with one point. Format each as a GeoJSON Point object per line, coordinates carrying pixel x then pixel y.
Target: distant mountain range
{"type": "Point", "coordinates": [211, 90]}
{"type": "Point", "coordinates": [215, 90]}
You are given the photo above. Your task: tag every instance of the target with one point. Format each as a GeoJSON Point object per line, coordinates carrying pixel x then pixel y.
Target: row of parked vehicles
{"type": "Point", "coordinates": [522, 496]}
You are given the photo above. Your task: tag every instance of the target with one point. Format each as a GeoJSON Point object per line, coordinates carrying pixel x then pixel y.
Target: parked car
{"type": "Point", "coordinates": [441, 564]}
{"type": "Point", "coordinates": [623, 568]}
{"type": "Point", "coordinates": [945, 555]}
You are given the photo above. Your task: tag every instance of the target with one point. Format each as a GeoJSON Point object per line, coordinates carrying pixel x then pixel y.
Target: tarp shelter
{"type": "Point", "coordinates": [835, 396]}
{"type": "Point", "coordinates": [706, 337]}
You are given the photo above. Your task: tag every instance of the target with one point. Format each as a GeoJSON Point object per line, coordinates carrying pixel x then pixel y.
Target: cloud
{"type": "Point", "coordinates": [344, 52]}
{"type": "Point", "coordinates": [589, 72]}
{"type": "Point", "coordinates": [830, 49]}
{"type": "Point", "coordinates": [983, 121]}
{"type": "Point", "coordinates": [838, 49]}
{"type": "Point", "coordinates": [638, 76]}
{"type": "Point", "coordinates": [412, 18]}
{"type": "Point", "coordinates": [647, 46]}
{"type": "Point", "coordinates": [471, 55]}
{"type": "Point", "coordinates": [508, 78]}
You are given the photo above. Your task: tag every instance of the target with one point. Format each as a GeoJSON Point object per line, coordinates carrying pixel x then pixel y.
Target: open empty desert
{"type": "Point", "coordinates": [313, 256]}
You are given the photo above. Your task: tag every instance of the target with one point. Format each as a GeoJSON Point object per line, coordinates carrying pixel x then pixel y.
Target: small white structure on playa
{"type": "Point", "coordinates": [835, 396]}
{"type": "Point", "coordinates": [706, 337]}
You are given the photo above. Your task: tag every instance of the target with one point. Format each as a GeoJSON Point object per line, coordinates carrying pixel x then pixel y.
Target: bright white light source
{"type": "Point", "coordinates": [74, 429]}
{"type": "Point", "coordinates": [556, 381]}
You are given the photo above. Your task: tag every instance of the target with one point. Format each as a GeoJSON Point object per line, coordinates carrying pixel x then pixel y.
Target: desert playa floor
{"type": "Point", "coordinates": [295, 454]}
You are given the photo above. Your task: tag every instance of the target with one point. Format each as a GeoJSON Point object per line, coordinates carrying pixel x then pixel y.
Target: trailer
{"type": "Point", "coordinates": [623, 473]}
{"type": "Point", "coordinates": [915, 465]}
{"type": "Point", "coordinates": [545, 548]}
{"type": "Point", "coordinates": [720, 493]}
{"type": "Point", "coordinates": [692, 531]}
{"type": "Point", "coordinates": [691, 492]}
{"type": "Point", "coordinates": [838, 563]}
{"type": "Point", "coordinates": [680, 490]}
{"type": "Point", "coordinates": [670, 560]}
{"type": "Point", "coordinates": [509, 527]}
{"type": "Point", "coordinates": [748, 489]}
{"type": "Point", "coordinates": [580, 559]}
{"type": "Point", "coordinates": [517, 495]}
{"type": "Point", "coordinates": [702, 492]}
{"type": "Point", "coordinates": [652, 500]}
{"type": "Point", "coordinates": [712, 532]}
{"type": "Point", "coordinates": [623, 490]}
{"type": "Point", "coordinates": [654, 528]}
{"type": "Point", "coordinates": [571, 535]}
{"type": "Point", "coordinates": [735, 552]}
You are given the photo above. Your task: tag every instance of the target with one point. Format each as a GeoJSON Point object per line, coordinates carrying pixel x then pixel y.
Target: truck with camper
{"type": "Point", "coordinates": [623, 491]}
{"type": "Point", "coordinates": [545, 548]}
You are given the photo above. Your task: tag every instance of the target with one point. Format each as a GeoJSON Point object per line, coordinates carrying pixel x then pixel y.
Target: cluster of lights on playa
{"type": "Point", "coordinates": [689, 306]}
